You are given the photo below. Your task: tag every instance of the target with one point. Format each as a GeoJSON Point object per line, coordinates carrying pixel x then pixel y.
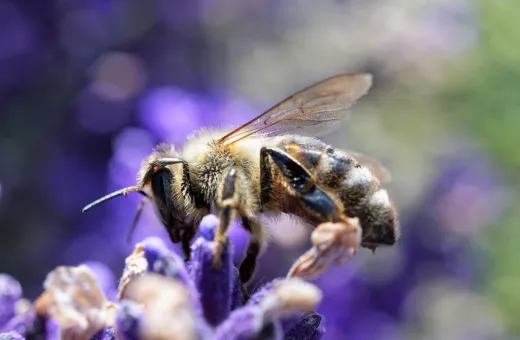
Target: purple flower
{"type": "Point", "coordinates": [161, 297]}
{"type": "Point", "coordinates": [16, 313]}
{"type": "Point", "coordinates": [11, 336]}
{"type": "Point", "coordinates": [74, 303]}
{"type": "Point", "coordinates": [211, 298]}
{"type": "Point", "coordinates": [10, 293]}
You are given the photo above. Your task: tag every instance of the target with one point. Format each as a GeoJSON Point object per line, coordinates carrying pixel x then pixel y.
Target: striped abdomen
{"type": "Point", "coordinates": [354, 184]}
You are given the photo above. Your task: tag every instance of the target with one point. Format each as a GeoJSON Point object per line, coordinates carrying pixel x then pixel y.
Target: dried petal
{"type": "Point", "coordinates": [334, 244]}
{"type": "Point", "coordinates": [310, 327]}
{"type": "Point", "coordinates": [10, 293]}
{"type": "Point", "coordinates": [11, 336]}
{"type": "Point", "coordinates": [135, 266]}
{"type": "Point", "coordinates": [289, 297]}
{"type": "Point", "coordinates": [152, 256]}
{"type": "Point", "coordinates": [105, 278]}
{"type": "Point", "coordinates": [169, 311]}
{"type": "Point", "coordinates": [215, 286]}
{"type": "Point", "coordinates": [75, 301]}
{"type": "Point", "coordinates": [287, 323]}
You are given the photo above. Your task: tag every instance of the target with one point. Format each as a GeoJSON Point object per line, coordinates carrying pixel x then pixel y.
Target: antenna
{"type": "Point", "coordinates": [124, 192]}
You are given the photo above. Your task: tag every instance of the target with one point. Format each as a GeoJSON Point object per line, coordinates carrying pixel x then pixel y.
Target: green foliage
{"type": "Point", "coordinates": [484, 99]}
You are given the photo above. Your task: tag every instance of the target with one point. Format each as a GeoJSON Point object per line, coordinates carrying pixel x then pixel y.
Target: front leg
{"type": "Point", "coordinates": [228, 203]}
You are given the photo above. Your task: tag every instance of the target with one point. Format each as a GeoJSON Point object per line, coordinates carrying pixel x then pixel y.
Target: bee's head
{"type": "Point", "coordinates": [163, 180]}
{"type": "Point", "coordinates": [166, 179]}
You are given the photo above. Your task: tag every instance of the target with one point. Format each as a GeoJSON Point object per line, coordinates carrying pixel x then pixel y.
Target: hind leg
{"type": "Point", "coordinates": [319, 201]}
{"type": "Point", "coordinates": [334, 243]}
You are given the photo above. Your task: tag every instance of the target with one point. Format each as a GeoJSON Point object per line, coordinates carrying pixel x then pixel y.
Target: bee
{"type": "Point", "coordinates": [271, 165]}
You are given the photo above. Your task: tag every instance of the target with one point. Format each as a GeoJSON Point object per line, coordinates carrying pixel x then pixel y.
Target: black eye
{"type": "Point", "coordinates": [161, 186]}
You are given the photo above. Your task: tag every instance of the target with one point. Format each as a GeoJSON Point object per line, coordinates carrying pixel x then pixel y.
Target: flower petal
{"type": "Point", "coordinates": [237, 297]}
{"type": "Point", "coordinates": [152, 256]}
{"type": "Point", "coordinates": [10, 292]}
{"type": "Point", "coordinates": [24, 319]}
{"type": "Point", "coordinates": [128, 315]}
{"type": "Point", "coordinates": [105, 277]}
{"type": "Point", "coordinates": [105, 334]}
{"type": "Point", "coordinates": [23, 324]}
{"type": "Point", "coordinates": [168, 310]}
{"type": "Point", "coordinates": [274, 308]}
{"type": "Point", "coordinates": [11, 336]}
{"type": "Point", "coordinates": [215, 286]}
{"type": "Point", "coordinates": [248, 323]}
{"type": "Point", "coordinates": [310, 327]}
{"type": "Point", "coordinates": [289, 297]}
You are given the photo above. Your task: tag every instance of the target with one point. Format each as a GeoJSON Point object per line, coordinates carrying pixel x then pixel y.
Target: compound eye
{"type": "Point", "coordinates": [161, 186]}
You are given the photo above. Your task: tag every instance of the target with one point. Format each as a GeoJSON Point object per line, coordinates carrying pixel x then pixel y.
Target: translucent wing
{"type": "Point", "coordinates": [313, 111]}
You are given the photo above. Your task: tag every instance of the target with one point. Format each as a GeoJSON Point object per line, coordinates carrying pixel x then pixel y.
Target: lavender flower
{"type": "Point", "coordinates": [10, 293]}
{"type": "Point", "coordinates": [75, 302]}
{"type": "Point", "coordinates": [162, 297]}
{"type": "Point", "coordinates": [211, 298]}
{"type": "Point", "coordinates": [11, 336]}
{"type": "Point", "coordinates": [16, 313]}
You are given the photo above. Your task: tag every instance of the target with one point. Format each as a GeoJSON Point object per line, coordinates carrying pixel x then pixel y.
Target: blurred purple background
{"type": "Point", "coordinates": [88, 88]}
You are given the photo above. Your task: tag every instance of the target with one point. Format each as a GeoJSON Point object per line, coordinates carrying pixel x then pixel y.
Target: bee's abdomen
{"type": "Point", "coordinates": [354, 184]}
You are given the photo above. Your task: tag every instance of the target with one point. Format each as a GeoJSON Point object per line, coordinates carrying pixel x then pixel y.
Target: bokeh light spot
{"type": "Point", "coordinates": [171, 113]}
{"type": "Point", "coordinates": [131, 147]}
{"type": "Point", "coordinates": [450, 27]}
{"type": "Point", "coordinates": [447, 310]}
{"type": "Point", "coordinates": [118, 76]}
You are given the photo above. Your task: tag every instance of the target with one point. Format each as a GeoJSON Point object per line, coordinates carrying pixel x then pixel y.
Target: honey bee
{"type": "Point", "coordinates": [271, 165]}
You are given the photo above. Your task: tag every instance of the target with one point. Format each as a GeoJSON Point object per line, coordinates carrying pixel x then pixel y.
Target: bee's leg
{"type": "Point", "coordinates": [334, 243]}
{"type": "Point", "coordinates": [256, 242]}
{"type": "Point", "coordinates": [228, 202]}
{"type": "Point", "coordinates": [186, 238]}
{"type": "Point", "coordinates": [303, 182]}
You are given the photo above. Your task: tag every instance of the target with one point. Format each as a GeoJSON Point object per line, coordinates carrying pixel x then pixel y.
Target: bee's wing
{"type": "Point", "coordinates": [378, 169]}
{"type": "Point", "coordinates": [311, 112]}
